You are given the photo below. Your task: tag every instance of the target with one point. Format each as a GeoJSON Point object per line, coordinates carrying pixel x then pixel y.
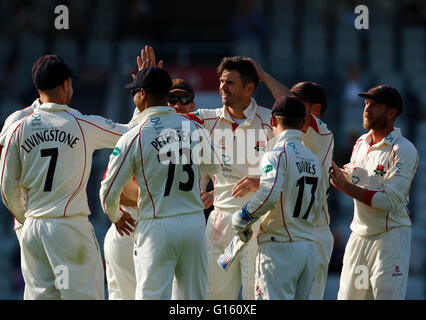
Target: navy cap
{"type": "Point", "coordinates": [181, 85]}
{"type": "Point", "coordinates": [153, 80]}
{"type": "Point", "coordinates": [50, 71]}
{"type": "Point", "coordinates": [386, 95]}
{"type": "Point", "coordinates": [310, 92]}
{"type": "Point", "coordinates": [289, 107]}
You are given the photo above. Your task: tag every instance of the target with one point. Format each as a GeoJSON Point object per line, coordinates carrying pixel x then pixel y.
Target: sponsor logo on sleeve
{"type": "Point", "coordinates": [116, 151]}
{"type": "Point", "coordinates": [266, 169]}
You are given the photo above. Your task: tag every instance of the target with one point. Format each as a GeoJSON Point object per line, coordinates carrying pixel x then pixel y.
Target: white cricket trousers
{"type": "Point", "coordinates": [168, 247]}
{"type": "Point", "coordinates": [119, 265]}
{"type": "Point", "coordinates": [376, 267]}
{"type": "Point", "coordinates": [60, 259]}
{"type": "Point", "coordinates": [226, 285]}
{"type": "Point", "coordinates": [325, 243]}
{"type": "Point", "coordinates": [285, 270]}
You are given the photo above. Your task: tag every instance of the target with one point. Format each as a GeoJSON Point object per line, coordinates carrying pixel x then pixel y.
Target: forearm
{"type": "Point", "coordinates": [129, 196]}
{"type": "Point", "coordinates": [264, 200]}
{"type": "Point", "coordinates": [276, 88]}
{"type": "Point", "coordinates": [14, 202]}
{"type": "Point", "coordinates": [356, 192]}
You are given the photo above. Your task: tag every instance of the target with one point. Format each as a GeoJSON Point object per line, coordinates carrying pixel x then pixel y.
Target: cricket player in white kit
{"type": "Point", "coordinates": [118, 250]}
{"type": "Point", "coordinates": [378, 177]}
{"type": "Point", "coordinates": [240, 130]}
{"type": "Point", "coordinates": [164, 156]}
{"type": "Point", "coordinates": [320, 140]}
{"type": "Point", "coordinates": [289, 200]}
{"type": "Point", "coordinates": [48, 155]}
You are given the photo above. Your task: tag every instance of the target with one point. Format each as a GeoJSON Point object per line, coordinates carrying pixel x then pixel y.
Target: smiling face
{"type": "Point", "coordinates": [232, 90]}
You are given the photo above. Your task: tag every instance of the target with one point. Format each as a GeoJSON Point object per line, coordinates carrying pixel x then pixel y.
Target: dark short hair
{"type": "Point", "coordinates": [290, 122]}
{"type": "Point", "coordinates": [244, 67]}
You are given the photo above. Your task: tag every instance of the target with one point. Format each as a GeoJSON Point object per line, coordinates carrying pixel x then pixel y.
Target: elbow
{"type": "Point", "coordinates": [380, 200]}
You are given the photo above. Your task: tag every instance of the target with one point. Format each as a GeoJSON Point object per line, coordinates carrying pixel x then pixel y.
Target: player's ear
{"type": "Point", "coordinates": [250, 87]}
{"type": "Point", "coordinates": [316, 110]}
{"type": "Point", "coordinates": [274, 121]}
{"type": "Point", "coordinates": [392, 113]}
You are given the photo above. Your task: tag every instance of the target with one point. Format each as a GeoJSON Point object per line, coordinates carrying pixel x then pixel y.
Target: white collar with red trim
{"type": "Point", "coordinates": [390, 139]}
{"type": "Point", "coordinates": [249, 112]}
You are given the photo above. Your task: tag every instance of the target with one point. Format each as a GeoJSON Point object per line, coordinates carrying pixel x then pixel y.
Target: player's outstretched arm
{"type": "Point", "coordinates": [277, 88]}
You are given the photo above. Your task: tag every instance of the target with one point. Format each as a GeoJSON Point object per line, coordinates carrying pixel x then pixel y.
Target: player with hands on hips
{"type": "Point", "coordinates": [48, 155]}
{"type": "Point", "coordinates": [286, 203]}
{"type": "Point", "coordinates": [8, 124]}
{"type": "Point", "coordinates": [379, 176]}
{"type": "Point", "coordinates": [146, 152]}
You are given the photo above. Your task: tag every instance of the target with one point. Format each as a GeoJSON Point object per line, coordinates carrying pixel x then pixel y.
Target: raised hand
{"type": "Point", "coordinates": [147, 59]}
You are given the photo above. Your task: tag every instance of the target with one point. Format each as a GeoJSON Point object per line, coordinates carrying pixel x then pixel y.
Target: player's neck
{"type": "Point", "coordinates": [237, 111]}
{"type": "Point", "coordinates": [56, 100]}
{"type": "Point", "coordinates": [379, 135]}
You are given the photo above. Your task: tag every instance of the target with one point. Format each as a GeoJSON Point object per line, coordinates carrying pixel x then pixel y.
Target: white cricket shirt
{"type": "Point", "coordinates": [49, 155]}
{"type": "Point", "coordinates": [289, 197]}
{"type": "Point", "coordinates": [241, 146]}
{"type": "Point", "coordinates": [320, 140]}
{"type": "Point", "coordinates": [386, 169]}
{"type": "Point", "coordinates": [166, 188]}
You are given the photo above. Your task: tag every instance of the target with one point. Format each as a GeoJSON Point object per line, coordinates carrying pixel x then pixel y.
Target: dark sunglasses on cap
{"type": "Point", "coordinates": [173, 99]}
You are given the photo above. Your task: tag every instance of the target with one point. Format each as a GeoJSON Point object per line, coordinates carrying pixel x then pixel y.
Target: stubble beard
{"type": "Point", "coordinates": [377, 123]}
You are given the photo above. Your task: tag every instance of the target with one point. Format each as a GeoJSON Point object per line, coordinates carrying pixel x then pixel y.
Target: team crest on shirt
{"type": "Point", "coordinates": [260, 146]}
{"type": "Point", "coordinates": [380, 170]}
{"type": "Point", "coordinates": [397, 272]}
{"type": "Point", "coordinates": [221, 144]}
{"type": "Point", "coordinates": [259, 291]}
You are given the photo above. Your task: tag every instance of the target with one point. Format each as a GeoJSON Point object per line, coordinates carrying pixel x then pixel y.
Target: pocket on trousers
{"type": "Point", "coordinates": [219, 230]}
